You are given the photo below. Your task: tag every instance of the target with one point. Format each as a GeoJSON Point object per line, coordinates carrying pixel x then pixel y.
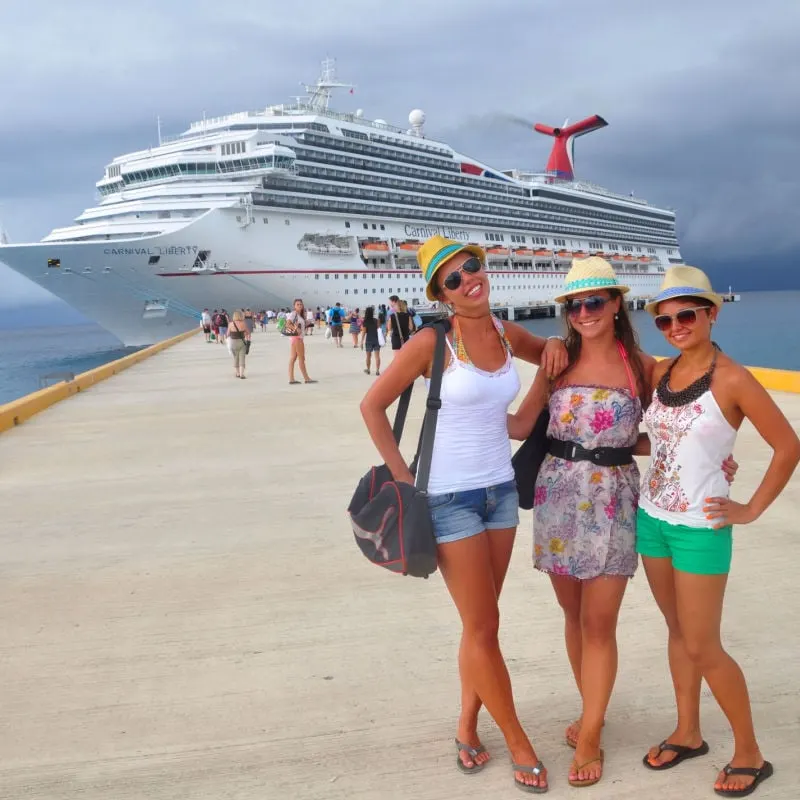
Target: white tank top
{"type": "Point", "coordinates": [688, 446]}
{"type": "Point", "coordinates": [472, 449]}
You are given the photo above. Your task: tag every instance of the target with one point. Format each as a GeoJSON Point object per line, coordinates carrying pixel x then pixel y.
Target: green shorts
{"type": "Point", "coordinates": [700, 551]}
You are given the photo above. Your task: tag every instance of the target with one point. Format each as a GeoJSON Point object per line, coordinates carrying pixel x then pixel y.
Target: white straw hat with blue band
{"type": "Point", "coordinates": [684, 281]}
{"type": "Point", "coordinates": [590, 273]}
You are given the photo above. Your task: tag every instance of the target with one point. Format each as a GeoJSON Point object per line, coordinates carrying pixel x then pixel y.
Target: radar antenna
{"type": "Point", "coordinates": [319, 95]}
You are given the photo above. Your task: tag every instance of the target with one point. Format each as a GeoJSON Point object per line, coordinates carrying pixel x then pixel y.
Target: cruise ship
{"type": "Point", "coordinates": [255, 208]}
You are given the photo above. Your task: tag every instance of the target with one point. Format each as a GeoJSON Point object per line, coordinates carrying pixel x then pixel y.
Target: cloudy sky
{"type": "Point", "coordinates": [702, 97]}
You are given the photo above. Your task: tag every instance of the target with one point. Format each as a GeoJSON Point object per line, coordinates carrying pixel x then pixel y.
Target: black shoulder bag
{"type": "Point", "coordinates": [391, 521]}
{"type": "Point", "coordinates": [528, 459]}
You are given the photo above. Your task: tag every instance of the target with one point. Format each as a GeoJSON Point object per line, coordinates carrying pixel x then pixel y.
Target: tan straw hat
{"type": "Point", "coordinates": [684, 281]}
{"type": "Point", "coordinates": [590, 273]}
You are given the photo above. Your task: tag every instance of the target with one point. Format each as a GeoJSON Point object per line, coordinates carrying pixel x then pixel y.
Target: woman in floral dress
{"type": "Point", "coordinates": [585, 499]}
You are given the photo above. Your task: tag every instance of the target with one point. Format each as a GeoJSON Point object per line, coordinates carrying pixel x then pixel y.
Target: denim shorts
{"type": "Point", "coordinates": [459, 515]}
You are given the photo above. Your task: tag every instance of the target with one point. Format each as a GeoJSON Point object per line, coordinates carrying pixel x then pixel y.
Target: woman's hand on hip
{"type": "Point", "coordinates": [722, 511]}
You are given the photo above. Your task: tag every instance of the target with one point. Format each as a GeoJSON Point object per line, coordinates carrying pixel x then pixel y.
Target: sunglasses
{"type": "Point", "coordinates": [470, 266]}
{"type": "Point", "coordinates": [592, 304]}
{"type": "Point", "coordinates": [686, 316]}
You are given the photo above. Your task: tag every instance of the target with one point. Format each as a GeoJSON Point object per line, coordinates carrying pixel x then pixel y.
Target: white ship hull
{"type": "Point", "coordinates": [259, 265]}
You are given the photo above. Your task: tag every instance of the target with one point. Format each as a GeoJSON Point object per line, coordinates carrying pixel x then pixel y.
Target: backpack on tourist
{"type": "Point", "coordinates": [391, 520]}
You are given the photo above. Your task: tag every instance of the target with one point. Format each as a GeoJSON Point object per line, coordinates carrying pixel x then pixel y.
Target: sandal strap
{"type": "Point", "coordinates": [586, 763]}
{"type": "Point", "coordinates": [469, 749]}
{"type": "Point", "coordinates": [751, 772]}
{"type": "Point", "coordinates": [534, 770]}
{"type": "Point", "coordinates": [680, 749]}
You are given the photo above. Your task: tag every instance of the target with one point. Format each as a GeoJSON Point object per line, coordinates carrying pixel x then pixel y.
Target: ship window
{"type": "Point", "coordinates": [154, 260]}
{"type": "Point", "coordinates": [374, 226]}
{"type": "Point", "coordinates": [366, 226]}
{"type": "Point", "coordinates": [287, 222]}
{"type": "Point", "coordinates": [347, 224]}
{"type": "Point", "coordinates": [383, 227]}
{"type": "Point", "coordinates": [327, 276]}
{"type": "Point", "coordinates": [316, 277]}
{"type": "Point", "coordinates": [54, 263]}
{"type": "Point", "coordinates": [265, 220]}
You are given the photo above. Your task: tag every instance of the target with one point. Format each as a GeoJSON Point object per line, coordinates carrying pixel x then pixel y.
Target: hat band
{"type": "Point", "coordinates": [681, 291]}
{"type": "Point", "coordinates": [439, 257]}
{"type": "Point", "coordinates": [589, 283]}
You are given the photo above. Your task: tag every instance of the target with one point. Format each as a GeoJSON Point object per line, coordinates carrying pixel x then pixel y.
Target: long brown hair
{"type": "Point", "coordinates": [625, 333]}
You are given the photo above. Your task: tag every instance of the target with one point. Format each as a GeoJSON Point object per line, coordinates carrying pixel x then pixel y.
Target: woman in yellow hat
{"type": "Point", "coordinates": [685, 517]}
{"type": "Point", "coordinates": [472, 494]}
{"type": "Point", "coordinates": [587, 487]}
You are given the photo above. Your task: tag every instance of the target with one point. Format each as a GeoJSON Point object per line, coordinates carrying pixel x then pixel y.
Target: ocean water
{"type": "Point", "coordinates": [29, 354]}
{"type": "Point", "coordinates": [761, 330]}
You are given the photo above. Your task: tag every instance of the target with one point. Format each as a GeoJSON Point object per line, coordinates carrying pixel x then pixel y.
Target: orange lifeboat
{"type": "Point", "coordinates": [545, 253]}
{"type": "Point", "coordinates": [644, 259]}
{"type": "Point", "coordinates": [410, 247]}
{"type": "Point", "coordinates": [497, 251]}
{"type": "Point", "coordinates": [381, 247]}
{"type": "Point", "coordinates": [523, 252]}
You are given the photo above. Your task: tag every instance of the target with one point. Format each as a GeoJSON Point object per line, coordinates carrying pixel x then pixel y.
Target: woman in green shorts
{"type": "Point", "coordinates": [685, 516]}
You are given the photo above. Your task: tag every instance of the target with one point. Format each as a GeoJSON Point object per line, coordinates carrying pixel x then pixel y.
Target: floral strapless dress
{"type": "Point", "coordinates": [585, 515]}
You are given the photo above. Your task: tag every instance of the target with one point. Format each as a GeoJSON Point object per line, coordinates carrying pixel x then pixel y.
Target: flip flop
{"type": "Point", "coordinates": [578, 784]}
{"type": "Point", "coordinates": [682, 754]}
{"type": "Point", "coordinates": [534, 770]}
{"type": "Point", "coordinates": [291, 382]}
{"type": "Point", "coordinates": [761, 774]}
{"type": "Point", "coordinates": [310, 381]}
{"type": "Point", "coordinates": [471, 752]}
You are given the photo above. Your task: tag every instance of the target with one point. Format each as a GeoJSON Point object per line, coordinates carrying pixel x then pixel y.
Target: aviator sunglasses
{"type": "Point", "coordinates": [686, 316]}
{"type": "Point", "coordinates": [470, 266]}
{"type": "Point", "coordinates": [592, 304]}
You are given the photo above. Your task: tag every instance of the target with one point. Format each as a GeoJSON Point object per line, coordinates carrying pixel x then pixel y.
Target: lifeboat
{"type": "Point", "coordinates": [497, 251]}
{"type": "Point", "coordinates": [644, 259]}
{"type": "Point", "coordinates": [628, 258]}
{"type": "Point", "coordinates": [564, 255]}
{"type": "Point", "coordinates": [409, 247]}
{"type": "Point", "coordinates": [379, 247]}
{"type": "Point", "coordinates": [523, 252]}
{"type": "Point", "coordinates": [544, 253]}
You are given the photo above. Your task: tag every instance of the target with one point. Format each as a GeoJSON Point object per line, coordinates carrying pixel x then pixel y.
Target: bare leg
{"type": "Point", "coordinates": [699, 602]}
{"type": "Point", "coordinates": [369, 362]}
{"type": "Point", "coordinates": [501, 543]}
{"type": "Point", "coordinates": [568, 593]}
{"type": "Point", "coordinates": [292, 359]}
{"type": "Point", "coordinates": [377, 362]}
{"type": "Point", "coordinates": [600, 603]}
{"type": "Point", "coordinates": [466, 568]}
{"type": "Point", "coordinates": [686, 677]}
{"type": "Point", "coordinates": [301, 357]}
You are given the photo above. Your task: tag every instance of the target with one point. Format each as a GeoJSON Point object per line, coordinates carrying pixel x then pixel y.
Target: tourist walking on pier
{"type": "Point", "coordinates": [371, 343]}
{"type": "Point", "coordinates": [685, 517]}
{"type": "Point", "coordinates": [249, 320]}
{"type": "Point", "coordinates": [239, 335]}
{"type": "Point", "coordinates": [472, 494]}
{"type": "Point", "coordinates": [354, 318]}
{"type": "Point", "coordinates": [295, 328]}
{"type": "Point", "coordinates": [205, 324]}
{"type": "Point", "coordinates": [400, 323]}
{"type": "Point", "coordinates": [585, 498]}
{"type": "Point", "coordinates": [223, 325]}
{"type": "Point", "coordinates": [336, 321]}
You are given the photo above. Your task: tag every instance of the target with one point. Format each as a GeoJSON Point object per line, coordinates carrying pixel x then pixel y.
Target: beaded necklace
{"type": "Point", "coordinates": [458, 342]}
{"type": "Point", "coordinates": [692, 392]}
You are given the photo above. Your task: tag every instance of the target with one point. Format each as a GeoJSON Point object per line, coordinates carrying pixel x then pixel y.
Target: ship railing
{"type": "Point", "coordinates": [554, 179]}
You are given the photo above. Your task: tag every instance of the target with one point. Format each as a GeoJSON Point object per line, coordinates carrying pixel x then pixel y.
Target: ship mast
{"type": "Point", "coordinates": [319, 95]}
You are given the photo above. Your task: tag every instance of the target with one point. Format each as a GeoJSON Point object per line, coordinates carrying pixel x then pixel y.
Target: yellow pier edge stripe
{"type": "Point", "coordinates": [776, 380]}
{"type": "Point", "coordinates": [18, 411]}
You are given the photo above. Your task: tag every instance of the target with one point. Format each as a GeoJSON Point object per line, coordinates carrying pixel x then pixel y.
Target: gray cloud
{"type": "Point", "coordinates": [703, 97]}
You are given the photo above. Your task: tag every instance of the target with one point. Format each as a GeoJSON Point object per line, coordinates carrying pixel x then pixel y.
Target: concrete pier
{"type": "Point", "coordinates": [185, 614]}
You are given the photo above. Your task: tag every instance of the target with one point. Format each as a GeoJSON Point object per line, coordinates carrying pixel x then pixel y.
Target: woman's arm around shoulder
{"type": "Point", "coordinates": [547, 353]}
{"type": "Point", "coordinates": [408, 364]}
{"type": "Point", "coordinates": [756, 404]}
{"type": "Point", "coordinates": [521, 423]}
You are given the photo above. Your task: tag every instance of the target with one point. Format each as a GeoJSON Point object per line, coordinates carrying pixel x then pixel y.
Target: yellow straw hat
{"type": "Point", "coordinates": [436, 251]}
{"type": "Point", "coordinates": [590, 273]}
{"type": "Point", "coordinates": [684, 281]}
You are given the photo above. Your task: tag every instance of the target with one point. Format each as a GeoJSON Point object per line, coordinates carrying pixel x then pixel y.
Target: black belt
{"type": "Point", "coordinates": [602, 456]}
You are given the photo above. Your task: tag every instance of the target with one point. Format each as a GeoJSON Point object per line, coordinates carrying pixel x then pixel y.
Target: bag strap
{"type": "Point", "coordinates": [434, 403]}
{"type": "Point", "coordinates": [624, 353]}
{"type": "Point", "coordinates": [400, 415]}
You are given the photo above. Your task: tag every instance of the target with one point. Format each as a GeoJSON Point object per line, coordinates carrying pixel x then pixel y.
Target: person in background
{"type": "Point", "coordinates": [215, 325]}
{"type": "Point", "coordinates": [686, 517]}
{"type": "Point", "coordinates": [309, 322]}
{"type": "Point", "coordinates": [400, 324]}
{"type": "Point", "coordinates": [318, 317]}
{"type": "Point", "coordinates": [249, 321]}
{"type": "Point", "coordinates": [223, 326]}
{"type": "Point", "coordinates": [354, 318]}
{"type": "Point", "coordinates": [239, 335]}
{"type": "Point", "coordinates": [370, 343]}
{"type": "Point", "coordinates": [205, 324]}
{"type": "Point", "coordinates": [336, 321]}
{"type": "Point", "coordinates": [296, 328]}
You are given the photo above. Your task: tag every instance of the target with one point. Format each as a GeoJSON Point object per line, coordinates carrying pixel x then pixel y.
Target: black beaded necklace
{"type": "Point", "coordinates": [692, 392]}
